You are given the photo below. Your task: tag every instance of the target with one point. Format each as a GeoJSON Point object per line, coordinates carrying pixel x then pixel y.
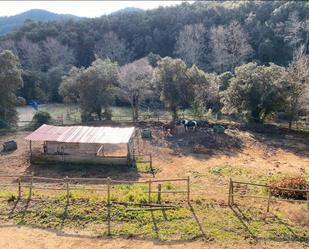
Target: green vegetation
{"type": "Point", "coordinates": [247, 60]}
{"type": "Point", "coordinates": [90, 214]}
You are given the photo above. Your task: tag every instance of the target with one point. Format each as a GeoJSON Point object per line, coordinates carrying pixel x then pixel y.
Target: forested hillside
{"type": "Point", "coordinates": [213, 35]}
{"type": "Point", "coordinates": [217, 47]}
{"type": "Point", "coordinates": [10, 23]}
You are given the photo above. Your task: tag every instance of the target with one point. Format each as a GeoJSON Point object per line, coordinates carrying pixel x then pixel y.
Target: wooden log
{"type": "Point", "coordinates": [150, 209]}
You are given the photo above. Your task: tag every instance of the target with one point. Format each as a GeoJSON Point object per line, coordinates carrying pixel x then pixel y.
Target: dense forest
{"type": "Point", "coordinates": [207, 37]}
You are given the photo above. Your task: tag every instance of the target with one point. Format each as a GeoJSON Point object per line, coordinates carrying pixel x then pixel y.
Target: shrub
{"type": "Point", "coordinates": [290, 183]}
{"type": "Point", "coordinates": [41, 118]}
{"type": "Point", "coordinates": [107, 114]}
{"type": "Point", "coordinates": [3, 124]}
{"type": "Point", "coordinates": [20, 101]}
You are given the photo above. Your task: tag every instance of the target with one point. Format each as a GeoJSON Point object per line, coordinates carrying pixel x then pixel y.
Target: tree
{"type": "Point", "coordinates": [57, 60]}
{"type": "Point", "coordinates": [254, 92]}
{"type": "Point", "coordinates": [296, 82]}
{"type": "Point", "coordinates": [230, 46]}
{"type": "Point", "coordinates": [93, 87]}
{"type": "Point", "coordinates": [190, 44]}
{"type": "Point", "coordinates": [113, 48]}
{"type": "Point", "coordinates": [135, 83]}
{"type": "Point", "coordinates": [206, 90]}
{"type": "Point", "coordinates": [10, 81]}
{"type": "Point", "coordinates": [171, 77]}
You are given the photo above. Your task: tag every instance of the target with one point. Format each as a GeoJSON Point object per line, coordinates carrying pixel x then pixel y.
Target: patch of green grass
{"type": "Point", "coordinates": [229, 171]}
{"type": "Point", "coordinates": [89, 214]}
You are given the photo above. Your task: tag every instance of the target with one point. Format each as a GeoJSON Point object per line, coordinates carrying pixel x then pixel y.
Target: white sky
{"type": "Point", "coordinates": [78, 8]}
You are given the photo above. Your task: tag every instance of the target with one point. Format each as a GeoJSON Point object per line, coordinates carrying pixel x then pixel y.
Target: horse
{"type": "Point", "coordinates": [189, 124]}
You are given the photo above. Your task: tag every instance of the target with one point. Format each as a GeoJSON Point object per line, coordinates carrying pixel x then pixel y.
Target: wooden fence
{"type": "Point", "coordinates": [108, 183]}
{"type": "Point", "coordinates": [145, 159]}
{"type": "Point", "coordinates": [234, 184]}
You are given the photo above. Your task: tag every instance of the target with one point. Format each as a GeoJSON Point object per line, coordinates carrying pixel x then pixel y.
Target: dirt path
{"type": "Point", "coordinates": [13, 237]}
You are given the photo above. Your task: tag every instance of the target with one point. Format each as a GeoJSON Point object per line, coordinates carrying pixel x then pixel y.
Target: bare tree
{"type": "Point", "coordinates": [297, 82]}
{"type": "Point", "coordinates": [190, 44]}
{"type": "Point", "coordinates": [113, 48]}
{"type": "Point", "coordinates": [135, 83]}
{"type": "Point", "coordinates": [230, 46]}
{"type": "Point", "coordinates": [57, 53]}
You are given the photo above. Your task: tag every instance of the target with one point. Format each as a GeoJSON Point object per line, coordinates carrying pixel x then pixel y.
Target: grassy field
{"type": "Point", "coordinates": [86, 212]}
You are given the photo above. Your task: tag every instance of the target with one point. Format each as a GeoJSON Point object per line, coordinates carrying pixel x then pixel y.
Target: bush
{"type": "Point", "coordinates": [107, 114]}
{"type": "Point", "coordinates": [3, 124]}
{"type": "Point", "coordinates": [41, 118]}
{"type": "Point", "coordinates": [290, 183]}
{"type": "Point", "coordinates": [20, 101]}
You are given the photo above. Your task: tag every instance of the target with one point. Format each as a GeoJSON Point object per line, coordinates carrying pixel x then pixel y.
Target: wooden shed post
{"type": "Point", "coordinates": [30, 148]}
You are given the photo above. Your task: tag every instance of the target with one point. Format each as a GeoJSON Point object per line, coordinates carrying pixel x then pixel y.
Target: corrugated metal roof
{"type": "Point", "coordinates": [82, 134]}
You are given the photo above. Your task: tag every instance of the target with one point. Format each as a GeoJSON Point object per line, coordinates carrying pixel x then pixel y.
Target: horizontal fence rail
{"type": "Point", "coordinates": [107, 186]}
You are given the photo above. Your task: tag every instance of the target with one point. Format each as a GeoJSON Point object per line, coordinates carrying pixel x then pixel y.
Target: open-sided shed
{"type": "Point", "coordinates": [84, 144]}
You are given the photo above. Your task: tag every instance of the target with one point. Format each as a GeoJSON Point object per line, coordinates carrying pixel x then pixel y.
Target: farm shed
{"type": "Point", "coordinates": [83, 144]}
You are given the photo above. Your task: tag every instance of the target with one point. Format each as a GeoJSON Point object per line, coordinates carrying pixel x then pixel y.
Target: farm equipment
{"type": "Point", "coordinates": [9, 145]}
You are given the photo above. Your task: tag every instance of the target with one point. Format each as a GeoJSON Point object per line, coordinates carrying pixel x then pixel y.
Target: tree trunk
{"type": "Point", "coordinates": [290, 124]}
{"type": "Point", "coordinates": [174, 113]}
{"type": "Point", "coordinates": [135, 104]}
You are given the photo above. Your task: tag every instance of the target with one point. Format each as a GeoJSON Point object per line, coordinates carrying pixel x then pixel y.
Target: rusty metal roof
{"type": "Point", "coordinates": [82, 134]}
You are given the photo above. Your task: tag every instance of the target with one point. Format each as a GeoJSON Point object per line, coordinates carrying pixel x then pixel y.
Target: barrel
{"type": "Point", "coordinates": [146, 133]}
{"type": "Point", "coordinates": [9, 145]}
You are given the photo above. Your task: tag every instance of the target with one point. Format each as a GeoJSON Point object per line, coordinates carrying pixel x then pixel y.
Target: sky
{"type": "Point", "coordinates": [78, 8]}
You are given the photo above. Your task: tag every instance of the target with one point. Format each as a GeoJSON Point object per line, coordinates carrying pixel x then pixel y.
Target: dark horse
{"type": "Point", "coordinates": [189, 124]}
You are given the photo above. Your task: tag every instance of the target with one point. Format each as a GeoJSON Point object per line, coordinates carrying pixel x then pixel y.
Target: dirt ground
{"type": "Point", "coordinates": [13, 237]}
{"type": "Point", "coordinates": [202, 155]}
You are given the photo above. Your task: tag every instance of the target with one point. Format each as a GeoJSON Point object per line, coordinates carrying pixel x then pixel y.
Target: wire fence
{"type": "Point", "coordinates": [236, 185]}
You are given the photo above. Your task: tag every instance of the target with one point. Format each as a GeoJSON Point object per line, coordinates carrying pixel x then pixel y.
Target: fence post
{"type": "Point", "coordinates": [150, 162]}
{"type": "Point", "coordinates": [149, 191]}
{"type": "Point", "coordinates": [30, 187]}
{"type": "Point", "coordinates": [269, 197]}
{"type": "Point", "coordinates": [67, 188]}
{"type": "Point", "coordinates": [19, 188]}
{"type": "Point", "coordinates": [308, 200]}
{"type": "Point", "coordinates": [188, 189]}
{"type": "Point", "coordinates": [159, 193]}
{"type": "Point", "coordinates": [108, 207]}
{"type": "Point", "coordinates": [230, 191]}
